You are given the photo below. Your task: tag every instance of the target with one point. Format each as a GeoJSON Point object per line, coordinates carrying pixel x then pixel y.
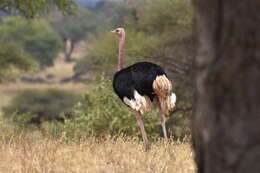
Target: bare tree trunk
{"type": "Point", "coordinates": [226, 116]}
{"type": "Point", "coordinates": [68, 50]}
{"type": "Point", "coordinates": [65, 48]}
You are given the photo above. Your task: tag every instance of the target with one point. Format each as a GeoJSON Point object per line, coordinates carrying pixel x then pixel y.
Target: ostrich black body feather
{"type": "Point", "coordinates": [139, 77]}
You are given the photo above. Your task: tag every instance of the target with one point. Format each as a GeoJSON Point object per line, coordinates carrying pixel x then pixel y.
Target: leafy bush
{"type": "Point", "coordinates": [101, 113]}
{"type": "Point", "coordinates": [36, 106]}
{"type": "Point", "coordinates": [13, 59]}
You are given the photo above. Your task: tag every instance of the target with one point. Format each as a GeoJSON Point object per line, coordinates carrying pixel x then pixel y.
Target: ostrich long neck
{"type": "Point", "coordinates": [121, 53]}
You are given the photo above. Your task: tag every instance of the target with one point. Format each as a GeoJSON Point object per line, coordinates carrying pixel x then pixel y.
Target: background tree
{"type": "Point", "coordinates": [73, 29]}
{"type": "Point", "coordinates": [36, 37]}
{"type": "Point", "coordinates": [227, 96]}
{"type": "Point", "coordinates": [32, 8]}
{"type": "Point", "coordinates": [13, 56]}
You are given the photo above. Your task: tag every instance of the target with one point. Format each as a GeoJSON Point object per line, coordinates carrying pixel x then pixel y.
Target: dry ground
{"type": "Point", "coordinates": [91, 156]}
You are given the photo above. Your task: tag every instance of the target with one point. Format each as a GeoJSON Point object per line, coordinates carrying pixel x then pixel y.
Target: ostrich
{"type": "Point", "coordinates": [141, 85]}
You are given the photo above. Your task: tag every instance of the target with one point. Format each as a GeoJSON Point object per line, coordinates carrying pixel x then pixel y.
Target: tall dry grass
{"type": "Point", "coordinates": [91, 156]}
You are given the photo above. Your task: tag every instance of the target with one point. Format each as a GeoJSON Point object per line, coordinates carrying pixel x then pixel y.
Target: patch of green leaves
{"type": "Point", "coordinates": [102, 113]}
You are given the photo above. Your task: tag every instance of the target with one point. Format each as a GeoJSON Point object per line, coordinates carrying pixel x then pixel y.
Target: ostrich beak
{"type": "Point", "coordinates": [114, 31]}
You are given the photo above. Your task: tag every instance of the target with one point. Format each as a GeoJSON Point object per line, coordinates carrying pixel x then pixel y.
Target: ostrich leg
{"type": "Point", "coordinates": [141, 125]}
{"type": "Point", "coordinates": [163, 120]}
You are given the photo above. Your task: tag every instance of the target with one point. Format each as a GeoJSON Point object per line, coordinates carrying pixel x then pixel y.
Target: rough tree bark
{"type": "Point", "coordinates": [226, 116]}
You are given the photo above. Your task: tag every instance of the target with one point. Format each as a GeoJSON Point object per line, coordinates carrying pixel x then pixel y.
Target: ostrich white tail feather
{"type": "Point", "coordinates": [173, 98]}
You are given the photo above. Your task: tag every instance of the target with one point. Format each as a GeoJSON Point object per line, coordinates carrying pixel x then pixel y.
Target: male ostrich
{"type": "Point", "coordinates": [140, 85]}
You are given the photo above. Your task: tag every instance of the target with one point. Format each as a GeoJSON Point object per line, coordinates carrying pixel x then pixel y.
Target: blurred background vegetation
{"type": "Point", "coordinates": [56, 68]}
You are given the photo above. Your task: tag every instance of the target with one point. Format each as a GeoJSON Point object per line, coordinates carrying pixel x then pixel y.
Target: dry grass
{"type": "Point", "coordinates": [110, 156]}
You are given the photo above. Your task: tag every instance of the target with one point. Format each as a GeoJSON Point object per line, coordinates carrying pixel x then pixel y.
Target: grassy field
{"type": "Point", "coordinates": [92, 156]}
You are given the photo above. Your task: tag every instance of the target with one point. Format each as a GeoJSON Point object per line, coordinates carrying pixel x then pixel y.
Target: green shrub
{"type": "Point", "coordinates": [102, 113]}
{"type": "Point", "coordinates": [13, 60]}
{"type": "Point", "coordinates": [36, 106]}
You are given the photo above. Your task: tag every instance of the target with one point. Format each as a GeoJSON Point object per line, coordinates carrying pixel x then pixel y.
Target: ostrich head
{"type": "Point", "coordinates": [121, 33]}
{"type": "Point", "coordinates": [118, 31]}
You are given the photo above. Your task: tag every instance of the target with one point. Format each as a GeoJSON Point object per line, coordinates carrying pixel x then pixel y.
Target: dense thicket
{"type": "Point", "coordinates": [36, 106]}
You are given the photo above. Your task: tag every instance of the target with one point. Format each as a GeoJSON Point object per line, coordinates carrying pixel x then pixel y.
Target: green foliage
{"type": "Point", "coordinates": [102, 113]}
{"type": "Point", "coordinates": [13, 59]}
{"type": "Point", "coordinates": [36, 106]}
{"type": "Point", "coordinates": [114, 14]}
{"type": "Point", "coordinates": [151, 29]}
{"type": "Point", "coordinates": [44, 47]}
{"type": "Point", "coordinates": [32, 8]}
{"type": "Point", "coordinates": [166, 16]}
{"type": "Point", "coordinates": [103, 52]}
{"type": "Point", "coordinates": [36, 37]}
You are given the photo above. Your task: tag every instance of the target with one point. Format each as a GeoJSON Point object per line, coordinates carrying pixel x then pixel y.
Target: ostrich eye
{"type": "Point", "coordinates": [117, 30]}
